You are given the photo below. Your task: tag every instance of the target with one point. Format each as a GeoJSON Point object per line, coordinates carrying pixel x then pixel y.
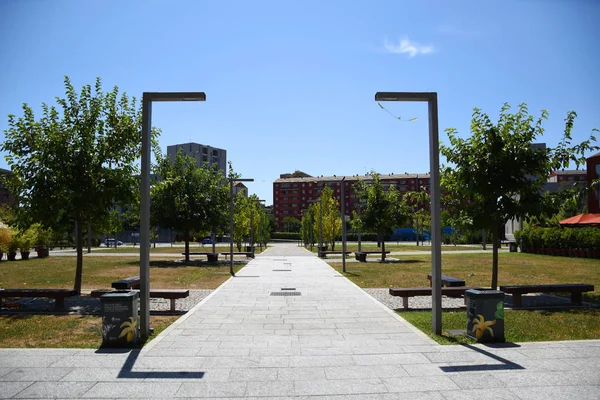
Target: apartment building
{"type": "Point", "coordinates": [293, 195]}
{"type": "Point", "coordinates": [201, 153]}
{"type": "Point", "coordinates": [569, 175]}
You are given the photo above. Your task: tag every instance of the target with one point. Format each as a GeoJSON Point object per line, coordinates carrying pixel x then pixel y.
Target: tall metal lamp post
{"type": "Point", "coordinates": [147, 99]}
{"type": "Point", "coordinates": [231, 180]}
{"type": "Point", "coordinates": [434, 161]}
{"type": "Point", "coordinates": [343, 196]}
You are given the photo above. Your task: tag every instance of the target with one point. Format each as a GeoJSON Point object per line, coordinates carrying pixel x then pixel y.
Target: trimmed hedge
{"type": "Point", "coordinates": [286, 235]}
{"type": "Point", "coordinates": [572, 242]}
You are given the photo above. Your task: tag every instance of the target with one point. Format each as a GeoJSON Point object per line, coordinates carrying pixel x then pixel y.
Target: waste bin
{"type": "Point", "coordinates": [120, 327]}
{"type": "Point", "coordinates": [485, 315]}
{"type": "Point", "coordinates": [512, 247]}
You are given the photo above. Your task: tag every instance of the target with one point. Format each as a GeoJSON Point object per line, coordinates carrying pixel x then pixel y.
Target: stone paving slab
{"type": "Point", "coordinates": [332, 342]}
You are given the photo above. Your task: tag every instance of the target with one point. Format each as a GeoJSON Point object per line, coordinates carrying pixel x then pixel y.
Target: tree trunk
{"type": "Point", "coordinates": [333, 245]}
{"type": "Point", "coordinates": [213, 237]}
{"type": "Point", "coordinates": [417, 231]}
{"type": "Point", "coordinates": [483, 235]}
{"type": "Point", "coordinates": [494, 259]}
{"type": "Point", "coordinates": [187, 246]}
{"type": "Point", "coordinates": [382, 248]}
{"type": "Point", "coordinates": [89, 237]}
{"type": "Point", "coordinates": [79, 267]}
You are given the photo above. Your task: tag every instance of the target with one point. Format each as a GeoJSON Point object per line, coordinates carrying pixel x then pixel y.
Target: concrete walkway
{"type": "Point", "coordinates": [329, 340]}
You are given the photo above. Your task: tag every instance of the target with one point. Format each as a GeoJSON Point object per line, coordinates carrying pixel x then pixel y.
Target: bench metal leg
{"type": "Point", "coordinates": [405, 303]}
{"type": "Point", "coordinates": [172, 305]}
{"type": "Point", "coordinates": [577, 298]}
{"type": "Point", "coordinates": [59, 303]}
{"type": "Point", "coordinates": [517, 299]}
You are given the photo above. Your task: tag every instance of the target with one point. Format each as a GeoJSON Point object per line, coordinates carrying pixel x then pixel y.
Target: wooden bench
{"type": "Point", "coordinates": [248, 254]}
{"type": "Point", "coordinates": [127, 283]}
{"type": "Point", "coordinates": [405, 293]}
{"type": "Point", "coordinates": [171, 294]}
{"type": "Point", "coordinates": [362, 255]}
{"type": "Point", "coordinates": [325, 253]}
{"type": "Point", "coordinates": [448, 281]}
{"type": "Point", "coordinates": [576, 290]}
{"type": "Point", "coordinates": [58, 295]}
{"type": "Point", "coordinates": [212, 257]}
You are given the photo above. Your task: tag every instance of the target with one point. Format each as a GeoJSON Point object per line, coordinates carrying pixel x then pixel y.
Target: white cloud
{"type": "Point", "coordinates": [406, 46]}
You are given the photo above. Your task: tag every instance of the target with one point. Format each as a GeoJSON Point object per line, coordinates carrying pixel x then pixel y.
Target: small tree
{"type": "Point", "coordinates": [71, 165]}
{"type": "Point", "coordinates": [421, 215]}
{"type": "Point", "coordinates": [498, 173]}
{"type": "Point", "coordinates": [332, 220]}
{"type": "Point", "coordinates": [241, 219]}
{"type": "Point", "coordinates": [291, 224]}
{"type": "Point", "coordinates": [382, 211]}
{"type": "Point", "coordinates": [187, 198]}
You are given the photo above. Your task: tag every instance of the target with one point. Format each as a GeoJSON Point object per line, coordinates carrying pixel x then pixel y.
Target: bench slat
{"type": "Point", "coordinates": [127, 283]}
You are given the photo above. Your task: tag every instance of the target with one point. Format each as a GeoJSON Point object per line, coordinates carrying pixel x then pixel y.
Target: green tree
{"type": "Point", "coordinates": [306, 226]}
{"type": "Point", "coordinates": [291, 224]}
{"type": "Point", "coordinates": [498, 173]}
{"type": "Point", "coordinates": [381, 211]}
{"type": "Point", "coordinates": [241, 219]}
{"type": "Point", "coordinates": [264, 228]}
{"type": "Point", "coordinates": [421, 215]}
{"type": "Point", "coordinates": [332, 219]}
{"type": "Point", "coordinates": [71, 165]}
{"type": "Point", "coordinates": [187, 198]}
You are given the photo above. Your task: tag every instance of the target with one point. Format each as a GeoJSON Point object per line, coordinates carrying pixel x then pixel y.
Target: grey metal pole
{"type": "Point", "coordinates": [145, 218]}
{"type": "Point", "coordinates": [436, 240]}
{"type": "Point", "coordinates": [231, 227]}
{"type": "Point", "coordinates": [321, 222]}
{"type": "Point", "coordinates": [251, 223]}
{"type": "Point", "coordinates": [343, 225]}
{"type": "Point", "coordinates": [358, 234]}
{"type": "Point", "coordinates": [89, 237]}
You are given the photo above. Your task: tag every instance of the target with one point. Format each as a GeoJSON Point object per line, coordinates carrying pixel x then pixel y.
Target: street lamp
{"type": "Point", "coordinates": [231, 180]}
{"type": "Point", "coordinates": [343, 195]}
{"type": "Point", "coordinates": [434, 161]}
{"type": "Point", "coordinates": [147, 99]}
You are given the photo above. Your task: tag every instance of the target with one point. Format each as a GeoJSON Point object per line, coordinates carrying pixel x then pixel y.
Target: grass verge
{"type": "Point", "coordinates": [519, 325]}
{"type": "Point", "coordinates": [74, 331]}
{"type": "Point", "coordinates": [100, 272]}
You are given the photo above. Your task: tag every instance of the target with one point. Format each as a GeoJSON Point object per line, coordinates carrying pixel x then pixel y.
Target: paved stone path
{"type": "Point", "coordinates": [333, 341]}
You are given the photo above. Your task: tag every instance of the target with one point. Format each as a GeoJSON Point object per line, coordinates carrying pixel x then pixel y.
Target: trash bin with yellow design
{"type": "Point", "coordinates": [120, 323]}
{"type": "Point", "coordinates": [485, 315]}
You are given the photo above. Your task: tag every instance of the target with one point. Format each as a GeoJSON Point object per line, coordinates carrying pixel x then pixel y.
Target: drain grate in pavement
{"type": "Point", "coordinates": [286, 294]}
{"type": "Point", "coordinates": [288, 288]}
{"type": "Point", "coordinates": [282, 270]}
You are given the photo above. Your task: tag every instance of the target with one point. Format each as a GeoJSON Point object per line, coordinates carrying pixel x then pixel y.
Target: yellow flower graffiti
{"type": "Point", "coordinates": [129, 329]}
{"type": "Point", "coordinates": [480, 326]}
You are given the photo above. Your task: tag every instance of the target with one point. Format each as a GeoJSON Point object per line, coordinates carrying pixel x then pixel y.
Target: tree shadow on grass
{"type": "Point", "coordinates": [191, 263]}
{"type": "Point", "coordinates": [409, 261]}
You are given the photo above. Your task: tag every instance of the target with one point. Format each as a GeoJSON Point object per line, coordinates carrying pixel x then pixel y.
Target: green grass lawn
{"type": "Point", "coordinates": [399, 247]}
{"type": "Point", "coordinates": [28, 331]}
{"type": "Point", "coordinates": [476, 270]}
{"type": "Point", "coordinates": [100, 272]}
{"type": "Point", "coordinates": [520, 325]}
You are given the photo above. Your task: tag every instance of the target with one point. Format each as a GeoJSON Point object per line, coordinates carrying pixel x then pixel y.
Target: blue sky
{"type": "Point", "coordinates": [290, 85]}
